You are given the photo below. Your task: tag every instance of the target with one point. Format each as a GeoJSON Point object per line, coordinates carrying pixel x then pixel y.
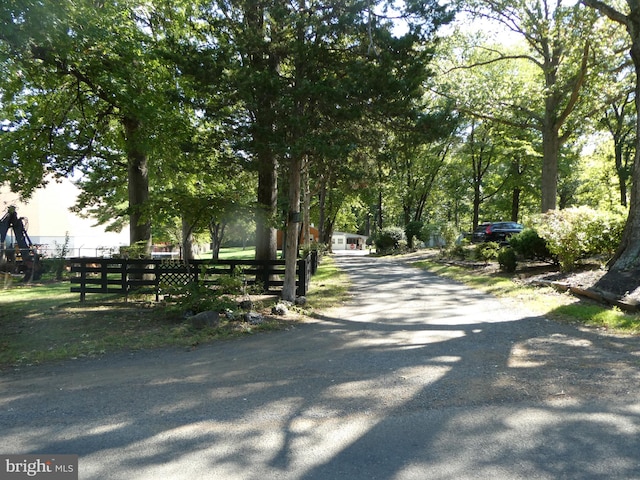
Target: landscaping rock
{"type": "Point", "coordinates": [301, 301]}
{"type": "Point", "coordinates": [232, 316]}
{"type": "Point", "coordinates": [280, 309]}
{"type": "Point", "coordinates": [253, 318]}
{"type": "Point", "coordinates": [205, 319]}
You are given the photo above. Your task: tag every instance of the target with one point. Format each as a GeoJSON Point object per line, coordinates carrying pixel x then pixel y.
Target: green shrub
{"type": "Point", "coordinates": [487, 251]}
{"type": "Point", "coordinates": [196, 297]}
{"type": "Point", "coordinates": [230, 284]}
{"type": "Point", "coordinates": [507, 260]}
{"type": "Point", "coordinates": [443, 234]}
{"type": "Point", "coordinates": [413, 230]}
{"type": "Point", "coordinates": [388, 239]}
{"type": "Point", "coordinates": [458, 251]}
{"type": "Point", "coordinates": [576, 233]}
{"type": "Point", "coordinates": [530, 245]}
{"type": "Point", "coordinates": [605, 232]}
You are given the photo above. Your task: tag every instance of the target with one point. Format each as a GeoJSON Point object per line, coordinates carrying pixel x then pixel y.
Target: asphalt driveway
{"type": "Point", "coordinates": [415, 378]}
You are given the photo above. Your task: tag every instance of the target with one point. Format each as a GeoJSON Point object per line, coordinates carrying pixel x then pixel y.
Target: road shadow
{"type": "Point", "coordinates": [416, 377]}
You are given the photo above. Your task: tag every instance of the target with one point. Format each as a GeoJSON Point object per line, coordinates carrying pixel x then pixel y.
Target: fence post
{"type": "Point", "coordinates": [266, 276]}
{"type": "Point", "coordinates": [156, 280]}
{"type": "Point", "coordinates": [104, 276]}
{"type": "Point", "coordinates": [314, 261]}
{"type": "Point", "coordinates": [123, 275]}
{"type": "Point", "coordinates": [303, 276]}
{"type": "Point", "coordinates": [83, 280]}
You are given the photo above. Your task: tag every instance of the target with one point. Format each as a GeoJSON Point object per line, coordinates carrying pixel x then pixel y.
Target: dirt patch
{"type": "Point", "coordinates": [611, 285]}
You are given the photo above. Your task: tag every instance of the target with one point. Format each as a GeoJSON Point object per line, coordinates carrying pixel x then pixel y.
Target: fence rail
{"type": "Point", "coordinates": [120, 275]}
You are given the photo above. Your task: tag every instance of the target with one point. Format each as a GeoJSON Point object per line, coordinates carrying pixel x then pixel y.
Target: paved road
{"type": "Point", "coordinates": [415, 378]}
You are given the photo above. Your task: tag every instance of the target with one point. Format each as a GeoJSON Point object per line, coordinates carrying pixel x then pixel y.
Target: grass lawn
{"type": "Point", "coordinates": [239, 253]}
{"type": "Point", "coordinates": [46, 322]}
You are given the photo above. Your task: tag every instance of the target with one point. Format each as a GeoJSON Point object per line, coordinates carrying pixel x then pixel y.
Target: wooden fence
{"type": "Point", "coordinates": [120, 275]}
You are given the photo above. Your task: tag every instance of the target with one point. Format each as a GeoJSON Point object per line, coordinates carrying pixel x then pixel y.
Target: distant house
{"type": "Point", "coordinates": [315, 237]}
{"type": "Point", "coordinates": [348, 241]}
{"type": "Point", "coordinates": [48, 221]}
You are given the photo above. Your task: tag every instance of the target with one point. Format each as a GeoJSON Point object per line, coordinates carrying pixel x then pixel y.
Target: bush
{"type": "Point", "coordinates": [388, 239]}
{"type": "Point", "coordinates": [507, 260]}
{"type": "Point", "coordinates": [605, 233]}
{"type": "Point", "coordinates": [530, 245]}
{"type": "Point", "coordinates": [458, 251]}
{"type": "Point", "coordinates": [487, 251]}
{"type": "Point", "coordinates": [441, 234]}
{"type": "Point", "coordinates": [196, 297]}
{"type": "Point", "coordinates": [60, 257]}
{"type": "Point", "coordinates": [411, 230]}
{"type": "Point", "coordinates": [577, 233]}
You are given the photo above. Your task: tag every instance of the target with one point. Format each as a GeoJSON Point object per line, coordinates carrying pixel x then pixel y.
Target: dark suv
{"type": "Point", "coordinates": [496, 232]}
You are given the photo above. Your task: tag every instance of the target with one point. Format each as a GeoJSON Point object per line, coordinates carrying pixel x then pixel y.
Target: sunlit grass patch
{"type": "Point", "coordinates": [603, 317]}
{"type": "Point", "coordinates": [329, 286]}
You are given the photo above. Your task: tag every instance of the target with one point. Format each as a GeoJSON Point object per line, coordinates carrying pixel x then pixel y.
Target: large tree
{"type": "Point", "coordinates": [627, 256]}
{"type": "Point", "coordinates": [558, 40]}
{"type": "Point", "coordinates": [84, 91]}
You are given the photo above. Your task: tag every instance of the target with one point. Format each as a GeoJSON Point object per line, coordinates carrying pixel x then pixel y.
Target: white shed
{"type": "Point", "coordinates": [348, 241]}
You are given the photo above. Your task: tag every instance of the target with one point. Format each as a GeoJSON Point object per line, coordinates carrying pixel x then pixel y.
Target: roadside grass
{"type": "Point", "coordinates": [46, 322]}
{"type": "Point", "coordinates": [329, 287]}
{"type": "Point", "coordinates": [542, 300]}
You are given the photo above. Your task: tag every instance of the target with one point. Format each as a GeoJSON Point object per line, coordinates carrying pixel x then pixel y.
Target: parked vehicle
{"type": "Point", "coordinates": [496, 232]}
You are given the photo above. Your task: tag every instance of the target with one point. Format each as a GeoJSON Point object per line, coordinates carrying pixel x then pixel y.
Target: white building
{"type": "Point", "coordinates": [348, 241]}
{"type": "Point", "coordinates": [48, 220]}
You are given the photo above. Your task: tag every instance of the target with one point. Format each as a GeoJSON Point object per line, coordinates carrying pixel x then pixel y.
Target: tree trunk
{"type": "Point", "coordinates": [138, 185]}
{"type": "Point", "coordinates": [306, 204]}
{"type": "Point", "coordinates": [293, 231]}
{"type": "Point", "coordinates": [622, 169]}
{"type": "Point", "coordinates": [628, 254]}
{"type": "Point", "coordinates": [380, 217]}
{"type": "Point", "coordinates": [216, 233]}
{"type": "Point", "coordinates": [515, 204]}
{"type": "Point", "coordinates": [550, 149]}
{"type": "Point", "coordinates": [476, 205]}
{"type": "Point", "coordinates": [322, 202]}
{"type": "Point", "coordinates": [187, 240]}
{"type": "Point", "coordinates": [266, 239]}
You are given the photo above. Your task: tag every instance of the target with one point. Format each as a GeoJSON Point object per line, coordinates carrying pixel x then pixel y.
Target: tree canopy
{"type": "Point", "coordinates": [186, 116]}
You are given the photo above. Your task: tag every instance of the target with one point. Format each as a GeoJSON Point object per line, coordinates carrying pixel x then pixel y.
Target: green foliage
{"type": "Point", "coordinates": [231, 284]}
{"type": "Point", "coordinates": [458, 251]}
{"type": "Point", "coordinates": [197, 297]}
{"type": "Point", "coordinates": [577, 233]}
{"type": "Point", "coordinates": [321, 248]}
{"type": "Point", "coordinates": [507, 260]}
{"type": "Point", "coordinates": [59, 260]}
{"type": "Point", "coordinates": [137, 250]}
{"type": "Point", "coordinates": [487, 251]}
{"type": "Point", "coordinates": [529, 245]}
{"type": "Point", "coordinates": [389, 239]}
{"type": "Point", "coordinates": [605, 232]}
{"type": "Point", "coordinates": [446, 232]}
{"type": "Point", "coordinates": [411, 230]}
